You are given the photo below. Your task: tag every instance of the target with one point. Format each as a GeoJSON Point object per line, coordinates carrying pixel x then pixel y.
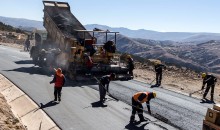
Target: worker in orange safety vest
{"type": "Point", "coordinates": [137, 100]}
{"type": "Point", "coordinates": [59, 81]}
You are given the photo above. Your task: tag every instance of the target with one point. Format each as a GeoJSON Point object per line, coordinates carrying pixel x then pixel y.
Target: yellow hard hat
{"type": "Point", "coordinates": [203, 75]}
{"type": "Point", "coordinates": [154, 94]}
{"type": "Point", "coordinates": [128, 56]}
{"type": "Point", "coordinates": [156, 62]}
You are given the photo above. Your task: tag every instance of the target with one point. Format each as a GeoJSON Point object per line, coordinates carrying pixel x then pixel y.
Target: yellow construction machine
{"type": "Point", "coordinates": [68, 45]}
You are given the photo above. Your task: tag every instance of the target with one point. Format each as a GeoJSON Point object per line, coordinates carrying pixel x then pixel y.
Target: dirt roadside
{"type": "Point", "coordinates": [7, 119]}
{"type": "Point", "coordinates": [176, 79]}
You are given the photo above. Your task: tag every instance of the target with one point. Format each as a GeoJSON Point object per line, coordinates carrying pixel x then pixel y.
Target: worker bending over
{"type": "Point", "coordinates": [210, 80]}
{"type": "Point", "coordinates": [104, 85]}
{"type": "Point", "coordinates": [137, 100]}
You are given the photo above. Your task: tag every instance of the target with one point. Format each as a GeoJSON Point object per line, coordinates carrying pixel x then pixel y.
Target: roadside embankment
{"type": "Point", "coordinates": [25, 110]}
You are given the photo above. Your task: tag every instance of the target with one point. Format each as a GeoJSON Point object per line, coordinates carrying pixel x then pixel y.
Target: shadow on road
{"type": "Point", "coordinates": [45, 71]}
{"type": "Point", "coordinates": [133, 126]}
{"type": "Point", "coordinates": [49, 104]}
{"type": "Point", "coordinates": [207, 101]}
{"type": "Point", "coordinates": [24, 62]}
{"type": "Point", "coordinates": [98, 104]}
{"type": "Point", "coordinates": [31, 70]}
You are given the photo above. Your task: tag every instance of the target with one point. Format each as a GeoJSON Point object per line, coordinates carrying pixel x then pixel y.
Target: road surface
{"type": "Point", "coordinates": [79, 108]}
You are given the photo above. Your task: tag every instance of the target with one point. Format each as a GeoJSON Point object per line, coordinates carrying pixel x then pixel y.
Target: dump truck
{"type": "Point", "coordinates": [68, 45]}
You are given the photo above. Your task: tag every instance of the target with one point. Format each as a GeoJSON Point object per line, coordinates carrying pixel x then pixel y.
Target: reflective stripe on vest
{"type": "Point", "coordinates": [136, 96]}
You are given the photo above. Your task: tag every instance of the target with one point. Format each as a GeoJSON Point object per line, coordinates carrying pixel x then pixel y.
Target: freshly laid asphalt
{"type": "Point", "coordinates": [80, 109]}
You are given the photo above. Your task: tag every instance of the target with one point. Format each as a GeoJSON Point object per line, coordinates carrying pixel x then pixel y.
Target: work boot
{"type": "Point", "coordinates": [55, 99]}
{"type": "Point", "coordinates": [59, 99]}
{"type": "Point", "coordinates": [132, 119]}
{"type": "Point", "coordinates": [141, 117]}
{"type": "Point", "coordinates": [101, 100]}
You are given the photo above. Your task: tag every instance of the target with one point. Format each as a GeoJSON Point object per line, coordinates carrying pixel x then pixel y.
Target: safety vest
{"type": "Point", "coordinates": [59, 81]}
{"type": "Point", "coordinates": [144, 98]}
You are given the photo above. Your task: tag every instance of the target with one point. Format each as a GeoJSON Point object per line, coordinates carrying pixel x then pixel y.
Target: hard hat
{"type": "Point", "coordinates": [203, 75]}
{"type": "Point", "coordinates": [128, 56]}
{"type": "Point", "coordinates": [154, 94]}
{"type": "Point", "coordinates": [156, 62]}
{"type": "Point", "coordinates": [58, 71]}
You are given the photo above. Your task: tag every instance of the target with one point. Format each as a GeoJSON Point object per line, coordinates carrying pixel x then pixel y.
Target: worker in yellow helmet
{"type": "Point", "coordinates": [158, 66]}
{"type": "Point", "coordinates": [137, 100]}
{"type": "Point", "coordinates": [210, 80]}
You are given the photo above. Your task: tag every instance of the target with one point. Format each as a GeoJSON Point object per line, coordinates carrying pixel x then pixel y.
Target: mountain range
{"type": "Point", "coordinates": [141, 33]}
{"type": "Point", "coordinates": [162, 36]}
{"type": "Point", "coordinates": [197, 51]}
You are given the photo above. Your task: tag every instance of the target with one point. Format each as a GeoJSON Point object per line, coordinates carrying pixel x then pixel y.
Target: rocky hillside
{"type": "Point", "coordinates": [199, 57]}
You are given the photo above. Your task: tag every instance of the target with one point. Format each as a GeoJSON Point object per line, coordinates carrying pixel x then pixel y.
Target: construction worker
{"type": "Point", "coordinates": [104, 85]}
{"type": "Point", "coordinates": [27, 44]}
{"type": "Point", "coordinates": [130, 65]}
{"type": "Point", "coordinates": [89, 64]}
{"type": "Point", "coordinates": [137, 100]}
{"type": "Point", "coordinates": [59, 80]}
{"type": "Point", "coordinates": [159, 70]}
{"type": "Point", "coordinates": [210, 80]}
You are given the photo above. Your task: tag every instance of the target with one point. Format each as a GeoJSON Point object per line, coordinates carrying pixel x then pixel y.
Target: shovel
{"type": "Point", "coordinates": [190, 94]}
{"type": "Point", "coordinates": [106, 90]}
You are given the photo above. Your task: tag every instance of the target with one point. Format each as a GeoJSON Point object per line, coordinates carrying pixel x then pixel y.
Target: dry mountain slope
{"type": "Point", "coordinates": [199, 57]}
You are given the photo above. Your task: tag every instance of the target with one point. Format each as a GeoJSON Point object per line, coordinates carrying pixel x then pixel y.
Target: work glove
{"type": "Point", "coordinates": [50, 82]}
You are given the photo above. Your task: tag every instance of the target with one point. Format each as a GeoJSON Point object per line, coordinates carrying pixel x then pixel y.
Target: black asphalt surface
{"type": "Point", "coordinates": [178, 110]}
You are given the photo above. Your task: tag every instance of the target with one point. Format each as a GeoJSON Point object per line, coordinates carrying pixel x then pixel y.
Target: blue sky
{"type": "Point", "coordinates": [157, 15]}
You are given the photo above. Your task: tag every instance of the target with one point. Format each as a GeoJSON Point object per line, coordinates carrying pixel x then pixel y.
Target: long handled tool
{"type": "Point", "coordinates": [156, 115]}
{"type": "Point", "coordinates": [190, 94]}
{"type": "Point", "coordinates": [152, 81]}
{"type": "Point", "coordinates": [106, 90]}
